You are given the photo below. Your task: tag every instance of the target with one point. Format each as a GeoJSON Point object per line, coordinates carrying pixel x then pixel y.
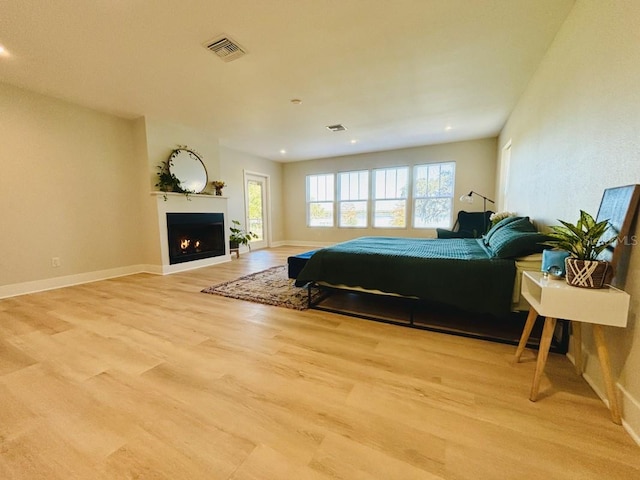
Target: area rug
{"type": "Point", "coordinates": [271, 286]}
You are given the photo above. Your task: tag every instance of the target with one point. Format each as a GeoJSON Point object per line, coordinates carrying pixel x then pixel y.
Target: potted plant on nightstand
{"type": "Point", "coordinates": [239, 236]}
{"type": "Point", "coordinates": [583, 241]}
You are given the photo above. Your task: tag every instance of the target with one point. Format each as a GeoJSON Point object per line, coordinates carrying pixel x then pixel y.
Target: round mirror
{"type": "Point", "coordinates": [189, 169]}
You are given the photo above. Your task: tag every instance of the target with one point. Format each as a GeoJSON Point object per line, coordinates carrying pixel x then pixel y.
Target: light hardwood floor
{"type": "Point", "coordinates": [144, 377]}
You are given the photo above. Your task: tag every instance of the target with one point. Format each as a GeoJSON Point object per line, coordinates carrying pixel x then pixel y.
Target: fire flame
{"type": "Point", "coordinates": [184, 243]}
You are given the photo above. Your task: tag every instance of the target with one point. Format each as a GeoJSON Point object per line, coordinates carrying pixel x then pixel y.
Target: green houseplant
{"type": "Point", "coordinates": [583, 240]}
{"type": "Point", "coordinates": [240, 236]}
{"type": "Point", "coordinates": [168, 182]}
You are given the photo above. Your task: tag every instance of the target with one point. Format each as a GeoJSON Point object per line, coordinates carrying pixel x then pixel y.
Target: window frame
{"type": "Point", "coordinates": [366, 200]}
{"type": "Point", "coordinates": [309, 202]}
{"type": "Point", "coordinates": [415, 198]}
{"type": "Point", "coordinates": [375, 199]}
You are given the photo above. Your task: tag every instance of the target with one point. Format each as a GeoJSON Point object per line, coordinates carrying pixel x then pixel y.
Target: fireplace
{"type": "Point", "coordinates": [194, 236]}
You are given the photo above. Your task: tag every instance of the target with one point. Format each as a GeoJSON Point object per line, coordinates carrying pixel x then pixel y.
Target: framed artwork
{"type": "Point", "coordinates": [619, 205]}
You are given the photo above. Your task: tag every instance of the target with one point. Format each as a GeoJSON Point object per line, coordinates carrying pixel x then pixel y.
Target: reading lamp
{"type": "Point", "coordinates": [469, 199]}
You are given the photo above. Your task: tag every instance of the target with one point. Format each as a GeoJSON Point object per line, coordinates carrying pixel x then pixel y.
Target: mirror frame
{"type": "Point", "coordinates": [191, 179]}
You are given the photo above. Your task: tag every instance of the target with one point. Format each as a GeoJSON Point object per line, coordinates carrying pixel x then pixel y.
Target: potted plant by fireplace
{"type": "Point", "coordinates": [239, 236]}
{"type": "Point", "coordinates": [583, 240]}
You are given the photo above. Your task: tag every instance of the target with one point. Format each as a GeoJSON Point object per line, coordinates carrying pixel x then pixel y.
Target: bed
{"type": "Point", "coordinates": [474, 275]}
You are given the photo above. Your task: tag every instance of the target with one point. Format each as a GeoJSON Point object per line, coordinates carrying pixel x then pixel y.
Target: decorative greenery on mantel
{"type": "Point", "coordinates": [168, 181]}
{"type": "Point", "coordinates": [191, 195]}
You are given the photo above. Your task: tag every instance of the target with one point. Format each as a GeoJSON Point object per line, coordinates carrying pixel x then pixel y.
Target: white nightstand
{"type": "Point", "coordinates": [555, 299]}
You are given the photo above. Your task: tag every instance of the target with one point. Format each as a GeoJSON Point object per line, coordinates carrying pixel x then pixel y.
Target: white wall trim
{"type": "Point", "coordinates": [631, 411]}
{"type": "Point", "coordinates": [299, 243]}
{"type": "Point", "coordinates": [25, 288]}
{"type": "Point", "coordinates": [186, 266]}
{"type": "Point", "coordinates": [595, 388]}
{"type": "Point", "coordinates": [13, 290]}
{"type": "Point", "coordinates": [630, 408]}
{"type": "Point", "coordinates": [267, 208]}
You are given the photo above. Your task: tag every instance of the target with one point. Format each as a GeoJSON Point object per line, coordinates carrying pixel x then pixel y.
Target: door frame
{"type": "Point", "coordinates": [504, 167]}
{"type": "Point", "coordinates": [266, 208]}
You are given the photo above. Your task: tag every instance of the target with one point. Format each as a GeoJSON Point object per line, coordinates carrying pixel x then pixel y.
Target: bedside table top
{"type": "Point", "coordinates": [557, 299]}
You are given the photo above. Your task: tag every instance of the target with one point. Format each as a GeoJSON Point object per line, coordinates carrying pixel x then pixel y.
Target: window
{"type": "Point", "coordinates": [320, 196]}
{"type": "Point", "coordinates": [390, 197]}
{"type": "Point", "coordinates": [353, 196]}
{"type": "Point", "coordinates": [433, 195]}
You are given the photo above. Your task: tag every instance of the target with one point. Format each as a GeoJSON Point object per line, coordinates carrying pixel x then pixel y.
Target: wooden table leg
{"type": "Point", "coordinates": [528, 326]}
{"type": "Point", "coordinates": [576, 328]}
{"type": "Point", "coordinates": [605, 364]}
{"type": "Point", "coordinates": [543, 353]}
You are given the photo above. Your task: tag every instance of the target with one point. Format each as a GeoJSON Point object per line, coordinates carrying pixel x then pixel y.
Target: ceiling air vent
{"type": "Point", "coordinates": [336, 128]}
{"type": "Point", "coordinates": [226, 49]}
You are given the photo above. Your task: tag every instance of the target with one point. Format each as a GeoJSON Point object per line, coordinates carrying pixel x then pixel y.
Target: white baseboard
{"type": "Point", "coordinates": [298, 243]}
{"type": "Point", "coordinates": [186, 266]}
{"type": "Point", "coordinates": [16, 289]}
{"type": "Point", "coordinates": [631, 414]}
{"type": "Point", "coordinates": [630, 408]}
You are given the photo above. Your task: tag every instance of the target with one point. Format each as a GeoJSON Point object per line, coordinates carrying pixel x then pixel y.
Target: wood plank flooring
{"type": "Point", "coordinates": [144, 377]}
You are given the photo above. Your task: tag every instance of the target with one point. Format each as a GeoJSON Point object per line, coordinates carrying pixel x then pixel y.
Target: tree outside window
{"type": "Point", "coordinates": [320, 198]}
{"type": "Point", "coordinates": [433, 195]}
{"type": "Point", "coordinates": [390, 197]}
{"type": "Point", "coordinates": [353, 197]}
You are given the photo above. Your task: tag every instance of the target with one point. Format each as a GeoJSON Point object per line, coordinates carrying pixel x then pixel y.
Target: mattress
{"type": "Point", "coordinates": [457, 272]}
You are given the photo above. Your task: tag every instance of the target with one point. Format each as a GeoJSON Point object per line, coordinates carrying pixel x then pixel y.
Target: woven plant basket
{"type": "Point", "coordinates": [586, 273]}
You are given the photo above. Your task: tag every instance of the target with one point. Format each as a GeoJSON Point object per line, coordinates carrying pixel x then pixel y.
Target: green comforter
{"type": "Point", "coordinates": [458, 272]}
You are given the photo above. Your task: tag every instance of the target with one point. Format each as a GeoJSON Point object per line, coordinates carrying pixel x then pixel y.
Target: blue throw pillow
{"type": "Point", "coordinates": [519, 223]}
{"type": "Point", "coordinates": [508, 243]}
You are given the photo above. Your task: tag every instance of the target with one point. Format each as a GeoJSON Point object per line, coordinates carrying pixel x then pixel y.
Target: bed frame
{"type": "Point", "coordinates": [618, 205]}
{"type": "Point", "coordinates": [415, 313]}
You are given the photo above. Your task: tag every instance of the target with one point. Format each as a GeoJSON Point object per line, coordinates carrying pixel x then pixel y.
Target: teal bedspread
{"type": "Point", "coordinates": [460, 272]}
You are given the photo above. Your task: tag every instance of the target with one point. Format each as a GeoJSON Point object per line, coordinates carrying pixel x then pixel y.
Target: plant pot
{"type": "Point", "coordinates": [233, 245]}
{"type": "Point", "coordinates": [586, 273]}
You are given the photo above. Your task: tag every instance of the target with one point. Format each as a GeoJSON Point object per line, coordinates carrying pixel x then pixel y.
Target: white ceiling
{"type": "Point", "coordinates": [396, 73]}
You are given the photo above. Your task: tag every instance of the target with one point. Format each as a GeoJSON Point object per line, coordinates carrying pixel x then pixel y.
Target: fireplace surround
{"type": "Point", "coordinates": [194, 236]}
{"type": "Point", "coordinates": [169, 202]}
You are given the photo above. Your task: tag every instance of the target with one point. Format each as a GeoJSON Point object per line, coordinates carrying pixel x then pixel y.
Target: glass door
{"type": "Point", "coordinates": [256, 208]}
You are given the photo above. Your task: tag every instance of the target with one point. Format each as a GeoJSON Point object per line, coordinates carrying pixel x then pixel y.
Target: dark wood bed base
{"type": "Point", "coordinates": [560, 343]}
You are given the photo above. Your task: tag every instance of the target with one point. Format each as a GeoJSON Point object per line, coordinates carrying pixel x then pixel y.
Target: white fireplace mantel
{"type": "Point", "coordinates": [169, 202]}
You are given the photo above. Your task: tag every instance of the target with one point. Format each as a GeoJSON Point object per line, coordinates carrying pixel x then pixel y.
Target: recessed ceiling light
{"type": "Point", "coordinates": [353, 140]}
{"type": "Point", "coordinates": [448, 127]}
{"type": "Point", "coordinates": [283, 151]}
{"type": "Point", "coordinates": [296, 101]}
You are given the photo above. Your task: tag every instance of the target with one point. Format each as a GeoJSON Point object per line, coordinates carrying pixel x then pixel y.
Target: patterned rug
{"type": "Point", "coordinates": [271, 286]}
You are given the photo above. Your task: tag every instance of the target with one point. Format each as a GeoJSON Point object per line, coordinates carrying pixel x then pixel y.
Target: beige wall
{"type": "Point", "coordinates": [69, 189]}
{"type": "Point", "coordinates": [575, 132]}
{"type": "Point", "coordinates": [475, 170]}
{"type": "Point", "coordinates": [233, 164]}
{"type": "Point", "coordinates": [164, 137]}
{"type": "Point", "coordinates": [76, 185]}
